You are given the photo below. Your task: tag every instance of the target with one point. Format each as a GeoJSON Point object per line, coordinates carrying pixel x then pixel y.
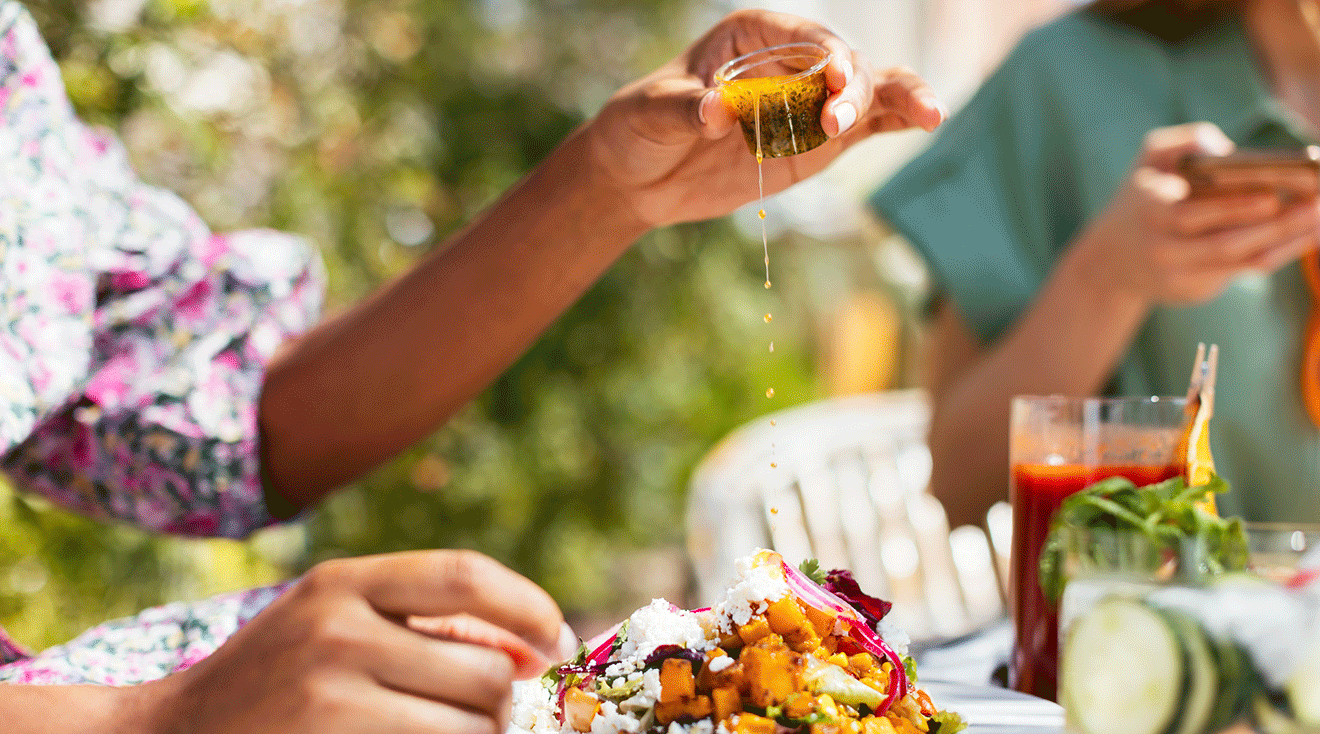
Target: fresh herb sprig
{"type": "Point", "coordinates": [810, 568]}
{"type": "Point", "coordinates": [1167, 513]}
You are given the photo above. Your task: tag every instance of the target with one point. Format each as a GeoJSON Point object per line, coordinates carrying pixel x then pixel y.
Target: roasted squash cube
{"type": "Point", "coordinates": [861, 663]}
{"type": "Point", "coordinates": [799, 705]}
{"type": "Point", "coordinates": [745, 723]}
{"type": "Point", "coordinates": [822, 621]}
{"type": "Point", "coordinates": [877, 725]}
{"type": "Point", "coordinates": [731, 641]}
{"type": "Point", "coordinates": [580, 708]}
{"type": "Point", "coordinates": [784, 616]}
{"type": "Point", "coordinates": [755, 630]}
{"type": "Point", "coordinates": [802, 638]}
{"type": "Point", "coordinates": [697, 707]}
{"type": "Point", "coordinates": [727, 676]}
{"type": "Point", "coordinates": [726, 702]}
{"type": "Point", "coordinates": [771, 676]}
{"type": "Point", "coordinates": [902, 725]}
{"type": "Point", "coordinates": [676, 681]}
{"type": "Point", "coordinates": [829, 645]}
{"type": "Point", "coordinates": [700, 707]}
{"type": "Point", "coordinates": [730, 677]}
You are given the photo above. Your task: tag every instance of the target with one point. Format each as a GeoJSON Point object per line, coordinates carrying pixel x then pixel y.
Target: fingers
{"type": "Point", "coordinates": [475, 677]}
{"type": "Point", "coordinates": [673, 108]}
{"type": "Point", "coordinates": [1165, 147]}
{"type": "Point", "coordinates": [1245, 245]}
{"type": "Point", "coordinates": [1206, 214]}
{"type": "Point", "coordinates": [1252, 246]}
{"type": "Point", "coordinates": [894, 99]}
{"type": "Point", "coordinates": [1285, 252]}
{"type": "Point", "coordinates": [446, 582]}
{"type": "Point", "coordinates": [527, 661]}
{"type": "Point", "coordinates": [391, 712]}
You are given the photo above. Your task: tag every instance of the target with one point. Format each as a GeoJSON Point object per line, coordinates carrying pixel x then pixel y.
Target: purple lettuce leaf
{"type": "Point", "coordinates": [841, 583]}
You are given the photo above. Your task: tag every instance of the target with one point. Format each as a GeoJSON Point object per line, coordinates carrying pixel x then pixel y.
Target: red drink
{"type": "Point", "coordinates": [1037, 491]}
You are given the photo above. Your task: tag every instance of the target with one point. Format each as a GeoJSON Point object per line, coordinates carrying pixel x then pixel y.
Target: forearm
{"type": "Point", "coordinates": [33, 709]}
{"type": "Point", "coordinates": [1068, 342]}
{"type": "Point", "coordinates": [363, 386]}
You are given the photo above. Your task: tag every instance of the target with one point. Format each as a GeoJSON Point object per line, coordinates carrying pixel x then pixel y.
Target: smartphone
{"type": "Point", "coordinates": [1292, 172]}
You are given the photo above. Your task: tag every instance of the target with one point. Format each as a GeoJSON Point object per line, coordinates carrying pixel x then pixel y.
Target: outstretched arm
{"type": "Point", "coordinates": [363, 386]}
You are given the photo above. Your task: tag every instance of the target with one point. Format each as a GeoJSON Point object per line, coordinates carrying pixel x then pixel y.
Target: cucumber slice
{"type": "Point", "coordinates": [1237, 683]}
{"type": "Point", "coordinates": [1271, 718]}
{"type": "Point", "coordinates": [1124, 671]}
{"type": "Point", "coordinates": [1303, 690]}
{"type": "Point", "coordinates": [1202, 691]}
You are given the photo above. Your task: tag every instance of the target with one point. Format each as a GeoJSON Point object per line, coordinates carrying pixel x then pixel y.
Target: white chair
{"type": "Point", "coordinates": [844, 481]}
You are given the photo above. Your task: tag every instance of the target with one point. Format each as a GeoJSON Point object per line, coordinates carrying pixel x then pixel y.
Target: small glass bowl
{"type": "Point", "coordinates": [778, 94]}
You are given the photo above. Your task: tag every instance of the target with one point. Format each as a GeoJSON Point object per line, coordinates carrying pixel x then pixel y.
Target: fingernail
{"type": "Point", "coordinates": [847, 71]}
{"type": "Point", "coordinates": [930, 101]}
{"type": "Point", "coordinates": [568, 642]}
{"type": "Point", "coordinates": [846, 114]}
{"type": "Point", "coordinates": [701, 111]}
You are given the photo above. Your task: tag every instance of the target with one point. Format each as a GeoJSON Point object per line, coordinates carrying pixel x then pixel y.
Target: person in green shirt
{"type": "Point", "coordinates": [1070, 259]}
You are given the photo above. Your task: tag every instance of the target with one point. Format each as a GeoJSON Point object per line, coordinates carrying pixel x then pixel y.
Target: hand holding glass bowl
{"type": "Point", "coordinates": [667, 143]}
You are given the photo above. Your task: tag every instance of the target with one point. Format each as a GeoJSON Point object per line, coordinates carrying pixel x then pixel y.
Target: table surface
{"type": "Point", "coordinates": [993, 710]}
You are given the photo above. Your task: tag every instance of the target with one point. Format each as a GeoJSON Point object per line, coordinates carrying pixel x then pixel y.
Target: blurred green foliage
{"type": "Point", "coordinates": [375, 127]}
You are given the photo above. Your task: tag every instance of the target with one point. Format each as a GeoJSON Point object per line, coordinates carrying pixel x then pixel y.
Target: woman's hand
{"type": "Point", "coordinates": [667, 141]}
{"type": "Point", "coordinates": [422, 642]}
{"type": "Point", "coordinates": [1157, 243]}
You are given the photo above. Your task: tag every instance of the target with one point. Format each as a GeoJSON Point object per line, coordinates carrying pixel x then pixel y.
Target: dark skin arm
{"type": "Point", "coordinates": [363, 386]}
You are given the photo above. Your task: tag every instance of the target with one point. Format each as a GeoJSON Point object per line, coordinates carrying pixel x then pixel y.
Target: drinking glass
{"type": "Point", "coordinates": [1058, 446]}
{"type": "Point", "coordinates": [778, 94]}
{"type": "Point", "coordinates": [1280, 551]}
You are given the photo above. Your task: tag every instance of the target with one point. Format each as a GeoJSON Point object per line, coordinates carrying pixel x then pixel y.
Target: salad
{"type": "Point", "coordinates": [787, 650]}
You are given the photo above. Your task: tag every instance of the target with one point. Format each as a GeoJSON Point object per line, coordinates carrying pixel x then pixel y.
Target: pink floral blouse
{"type": "Point", "coordinates": [132, 346]}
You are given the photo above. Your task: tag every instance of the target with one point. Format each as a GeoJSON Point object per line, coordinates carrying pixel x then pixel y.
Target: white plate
{"type": "Point", "coordinates": [994, 710]}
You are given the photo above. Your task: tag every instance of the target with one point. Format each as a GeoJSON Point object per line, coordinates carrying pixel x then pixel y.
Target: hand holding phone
{"type": "Point", "coordinates": [1293, 173]}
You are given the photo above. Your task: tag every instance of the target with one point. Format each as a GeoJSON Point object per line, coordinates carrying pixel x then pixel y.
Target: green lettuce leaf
{"type": "Point", "coordinates": [1167, 513]}
{"type": "Point", "coordinates": [946, 722]}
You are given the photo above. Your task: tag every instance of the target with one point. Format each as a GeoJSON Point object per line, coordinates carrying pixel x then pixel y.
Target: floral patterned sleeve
{"type": "Point", "coordinates": [132, 339]}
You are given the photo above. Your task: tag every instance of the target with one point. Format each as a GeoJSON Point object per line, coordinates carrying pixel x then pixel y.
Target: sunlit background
{"type": "Point", "coordinates": [376, 127]}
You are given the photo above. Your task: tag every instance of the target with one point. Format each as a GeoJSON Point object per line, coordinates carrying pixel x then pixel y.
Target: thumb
{"type": "Point", "coordinates": [1165, 147]}
{"type": "Point", "coordinates": [673, 109]}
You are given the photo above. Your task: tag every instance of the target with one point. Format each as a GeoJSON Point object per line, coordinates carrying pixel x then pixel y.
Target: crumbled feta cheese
{"type": "Point", "coordinates": [701, 727]}
{"type": "Point", "coordinates": [894, 636]}
{"type": "Point", "coordinates": [533, 708]}
{"type": "Point", "coordinates": [651, 685]}
{"type": "Point", "coordinates": [754, 587]}
{"type": "Point", "coordinates": [609, 721]}
{"type": "Point", "coordinates": [720, 663]}
{"type": "Point", "coordinates": [661, 623]}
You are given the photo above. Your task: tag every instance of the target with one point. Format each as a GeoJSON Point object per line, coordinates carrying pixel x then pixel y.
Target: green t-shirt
{"type": "Point", "coordinates": [1042, 148]}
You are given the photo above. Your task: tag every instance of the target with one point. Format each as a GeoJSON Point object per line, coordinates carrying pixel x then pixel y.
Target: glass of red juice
{"type": "Point", "coordinates": [1059, 445]}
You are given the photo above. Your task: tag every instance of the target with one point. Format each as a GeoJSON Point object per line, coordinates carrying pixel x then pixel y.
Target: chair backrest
{"type": "Point", "coordinates": [844, 481]}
